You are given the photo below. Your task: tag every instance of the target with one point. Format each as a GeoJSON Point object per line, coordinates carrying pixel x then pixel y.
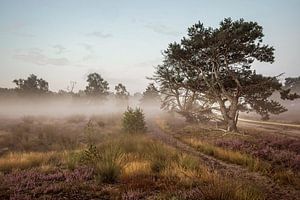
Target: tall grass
{"type": "Point", "coordinates": [234, 157]}
{"type": "Point", "coordinates": [218, 188]}
{"type": "Point", "coordinates": [160, 157]}
{"type": "Point", "coordinates": [133, 156]}
{"type": "Point", "coordinates": [22, 161]}
{"type": "Point", "coordinates": [109, 167]}
{"type": "Point", "coordinates": [246, 160]}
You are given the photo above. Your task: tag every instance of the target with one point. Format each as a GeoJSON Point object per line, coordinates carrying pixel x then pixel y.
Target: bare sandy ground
{"type": "Point", "coordinates": [290, 130]}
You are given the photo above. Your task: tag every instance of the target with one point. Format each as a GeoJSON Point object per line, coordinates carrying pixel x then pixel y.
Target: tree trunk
{"type": "Point", "coordinates": [231, 125]}
{"type": "Point", "coordinates": [229, 116]}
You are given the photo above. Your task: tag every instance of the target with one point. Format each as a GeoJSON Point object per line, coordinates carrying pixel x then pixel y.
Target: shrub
{"type": "Point", "coordinates": [134, 121]}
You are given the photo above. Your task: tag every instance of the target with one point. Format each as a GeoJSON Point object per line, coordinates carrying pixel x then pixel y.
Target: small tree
{"type": "Point", "coordinates": [121, 93]}
{"type": "Point", "coordinates": [150, 96]}
{"type": "Point", "coordinates": [216, 63]}
{"type": "Point", "coordinates": [97, 86]}
{"type": "Point", "coordinates": [134, 121]}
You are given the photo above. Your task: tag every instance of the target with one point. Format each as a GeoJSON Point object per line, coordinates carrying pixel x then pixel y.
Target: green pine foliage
{"type": "Point", "coordinates": [134, 121]}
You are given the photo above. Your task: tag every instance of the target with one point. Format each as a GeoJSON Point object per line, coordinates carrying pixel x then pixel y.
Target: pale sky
{"type": "Point", "coordinates": [64, 40]}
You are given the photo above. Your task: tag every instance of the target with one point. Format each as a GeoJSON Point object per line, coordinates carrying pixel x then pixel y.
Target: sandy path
{"type": "Point", "coordinates": [289, 130]}
{"type": "Point", "coordinates": [270, 123]}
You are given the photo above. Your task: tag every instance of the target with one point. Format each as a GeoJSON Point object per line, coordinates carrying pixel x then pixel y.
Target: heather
{"type": "Point", "coordinates": [108, 163]}
{"type": "Point", "coordinates": [273, 155]}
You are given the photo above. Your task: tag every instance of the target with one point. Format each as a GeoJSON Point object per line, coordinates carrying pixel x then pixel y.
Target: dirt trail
{"type": "Point", "coordinates": [273, 190]}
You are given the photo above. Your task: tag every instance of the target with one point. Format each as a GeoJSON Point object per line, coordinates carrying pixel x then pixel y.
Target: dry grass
{"type": "Point", "coordinates": [22, 161]}
{"type": "Point", "coordinates": [253, 164]}
{"type": "Point", "coordinates": [230, 156]}
{"type": "Point", "coordinates": [125, 157]}
{"type": "Point", "coordinates": [224, 190]}
{"type": "Point", "coordinates": [137, 168]}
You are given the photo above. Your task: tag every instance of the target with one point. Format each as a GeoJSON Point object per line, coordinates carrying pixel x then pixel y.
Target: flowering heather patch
{"type": "Point", "coordinates": [33, 183]}
{"type": "Point", "coordinates": [280, 143]}
{"type": "Point", "coordinates": [278, 152]}
{"type": "Point", "coordinates": [133, 195]}
{"type": "Point", "coordinates": [233, 144]}
{"type": "Point", "coordinates": [296, 163]}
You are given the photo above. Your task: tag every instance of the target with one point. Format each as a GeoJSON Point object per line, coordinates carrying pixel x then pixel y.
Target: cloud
{"type": "Point", "coordinates": [162, 29]}
{"type": "Point", "coordinates": [59, 48]}
{"type": "Point", "coordinates": [99, 34]}
{"type": "Point", "coordinates": [37, 57]}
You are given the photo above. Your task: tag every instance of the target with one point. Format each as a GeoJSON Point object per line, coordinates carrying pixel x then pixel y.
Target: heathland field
{"type": "Point", "coordinates": [96, 157]}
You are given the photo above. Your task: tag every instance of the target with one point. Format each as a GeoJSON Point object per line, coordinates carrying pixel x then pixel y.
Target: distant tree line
{"type": "Point", "coordinates": [97, 88]}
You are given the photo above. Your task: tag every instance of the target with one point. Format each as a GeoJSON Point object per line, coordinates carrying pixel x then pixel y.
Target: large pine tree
{"type": "Point", "coordinates": [216, 63]}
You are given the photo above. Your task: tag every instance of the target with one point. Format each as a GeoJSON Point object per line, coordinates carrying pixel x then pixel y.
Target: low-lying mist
{"type": "Point", "coordinates": [62, 107]}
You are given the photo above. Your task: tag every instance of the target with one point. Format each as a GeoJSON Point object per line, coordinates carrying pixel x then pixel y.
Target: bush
{"type": "Point", "coordinates": [134, 121]}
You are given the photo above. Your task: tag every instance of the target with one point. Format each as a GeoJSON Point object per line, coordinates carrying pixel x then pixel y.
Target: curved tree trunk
{"type": "Point", "coordinates": [229, 115]}
{"type": "Point", "coordinates": [231, 125]}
